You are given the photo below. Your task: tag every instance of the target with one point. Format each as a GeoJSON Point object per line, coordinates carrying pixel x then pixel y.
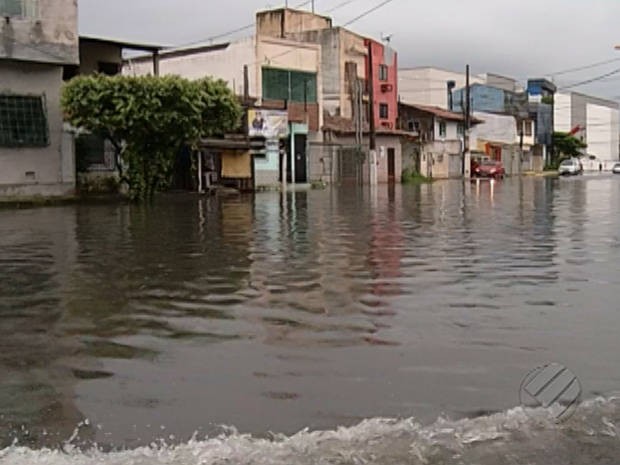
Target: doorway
{"type": "Point", "coordinates": [391, 153]}
{"type": "Point", "coordinates": [300, 160]}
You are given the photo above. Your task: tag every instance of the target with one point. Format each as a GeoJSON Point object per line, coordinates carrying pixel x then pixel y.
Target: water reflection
{"type": "Point", "coordinates": [316, 308]}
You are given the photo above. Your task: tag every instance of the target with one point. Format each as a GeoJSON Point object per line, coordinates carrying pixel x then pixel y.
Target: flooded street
{"type": "Point", "coordinates": [124, 325]}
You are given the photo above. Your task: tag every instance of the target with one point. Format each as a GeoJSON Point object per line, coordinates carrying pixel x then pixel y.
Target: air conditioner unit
{"type": "Point", "coordinates": [387, 87]}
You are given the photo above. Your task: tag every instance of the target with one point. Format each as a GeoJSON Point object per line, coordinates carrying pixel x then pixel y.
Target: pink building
{"type": "Point", "coordinates": [385, 83]}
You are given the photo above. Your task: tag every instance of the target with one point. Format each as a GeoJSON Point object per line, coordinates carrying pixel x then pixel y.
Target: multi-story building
{"type": "Point", "coordinates": [38, 38]}
{"type": "Point", "coordinates": [593, 120]}
{"type": "Point", "coordinates": [429, 86]}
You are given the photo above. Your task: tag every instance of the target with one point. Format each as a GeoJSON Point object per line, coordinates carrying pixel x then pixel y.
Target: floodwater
{"type": "Point", "coordinates": [339, 326]}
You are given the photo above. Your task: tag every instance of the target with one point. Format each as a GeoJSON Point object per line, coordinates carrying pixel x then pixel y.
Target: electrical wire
{"type": "Point", "coordinates": [367, 12]}
{"type": "Point", "coordinates": [232, 31]}
{"type": "Point", "coordinates": [583, 68]}
{"type": "Point", "coordinates": [588, 81]}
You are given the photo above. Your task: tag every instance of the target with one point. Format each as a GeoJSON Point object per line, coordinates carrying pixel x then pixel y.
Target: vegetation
{"type": "Point", "coordinates": [547, 99]}
{"type": "Point", "coordinates": [567, 145]}
{"type": "Point", "coordinates": [148, 120]}
{"type": "Point", "coordinates": [410, 176]}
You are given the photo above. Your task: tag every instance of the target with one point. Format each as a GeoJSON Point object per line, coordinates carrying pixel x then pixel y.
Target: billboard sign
{"type": "Point", "coordinates": [271, 124]}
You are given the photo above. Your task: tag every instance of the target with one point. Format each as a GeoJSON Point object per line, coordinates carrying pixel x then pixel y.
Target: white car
{"type": "Point", "coordinates": [571, 166]}
{"type": "Point", "coordinates": [616, 168]}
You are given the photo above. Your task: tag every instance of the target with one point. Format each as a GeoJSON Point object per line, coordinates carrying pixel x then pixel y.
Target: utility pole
{"type": "Point", "coordinates": [467, 121]}
{"type": "Point", "coordinates": [312, 6]}
{"type": "Point", "coordinates": [372, 159]}
{"type": "Point", "coordinates": [520, 167]}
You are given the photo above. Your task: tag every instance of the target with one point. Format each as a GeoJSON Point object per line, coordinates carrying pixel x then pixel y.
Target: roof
{"type": "Point", "coordinates": [440, 113]}
{"type": "Point", "coordinates": [341, 125]}
{"type": "Point", "coordinates": [123, 43]}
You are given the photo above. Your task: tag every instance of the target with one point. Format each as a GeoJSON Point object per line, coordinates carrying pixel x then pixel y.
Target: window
{"type": "Point", "coordinates": [109, 69]}
{"type": "Point", "coordinates": [383, 73]}
{"type": "Point", "coordinates": [383, 111]}
{"type": "Point", "coordinates": [442, 129]}
{"type": "Point", "coordinates": [414, 126]}
{"type": "Point", "coordinates": [22, 8]}
{"type": "Point", "coordinates": [23, 121]}
{"type": "Point", "coordinates": [295, 86]}
{"type": "Point", "coordinates": [460, 129]}
{"type": "Point", "coordinates": [527, 127]}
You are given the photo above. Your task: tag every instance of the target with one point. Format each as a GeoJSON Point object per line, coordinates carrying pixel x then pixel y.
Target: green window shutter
{"type": "Point", "coordinates": [11, 8]}
{"type": "Point", "coordinates": [275, 84]}
{"type": "Point", "coordinates": [23, 121]}
{"type": "Point", "coordinates": [301, 80]}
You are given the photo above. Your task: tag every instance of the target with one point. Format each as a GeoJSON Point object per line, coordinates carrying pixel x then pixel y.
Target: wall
{"type": "Point", "coordinates": [381, 55]}
{"type": "Point", "coordinates": [562, 113]}
{"type": "Point", "coordinates": [338, 46]}
{"type": "Point", "coordinates": [428, 86]}
{"type": "Point", "coordinates": [441, 159]}
{"type": "Point", "coordinates": [49, 38]}
{"type": "Point", "coordinates": [602, 132]}
{"type": "Point", "coordinates": [91, 53]}
{"type": "Point", "coordinates": [502, 82]}
{"type": "Point", "coordinates": [384, 142]}
{"type": "Point", "coordinates": [451, 130]}
{"type": "Point", "coordinates": [500, 129]}
{"type": "Point", "coordinates": [223, 61]}
{"type": "Point", "coordinates": [52, 165]}
{"type": "Point", "coordinates": [280, 22]}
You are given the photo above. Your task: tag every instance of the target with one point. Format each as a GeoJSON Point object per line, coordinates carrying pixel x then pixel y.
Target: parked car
{"type": "Point", "coordinates": [570, 166]}
{"type": "Point", "coordinates": [488, 168]}
{"type": "Point", "coordinates": [616, 168]}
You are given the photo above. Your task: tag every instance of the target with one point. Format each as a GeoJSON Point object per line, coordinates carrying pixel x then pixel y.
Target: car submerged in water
{"type": "Point", "coordinates": [487, 168]}
{"type": "Point", "coordinates": [570, 167]}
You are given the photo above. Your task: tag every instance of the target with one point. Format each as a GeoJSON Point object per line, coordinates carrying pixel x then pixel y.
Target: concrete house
{"type": "Point", "coordinates": [437, 150]}
{"type": "Point", "coordinates": [37, 39]}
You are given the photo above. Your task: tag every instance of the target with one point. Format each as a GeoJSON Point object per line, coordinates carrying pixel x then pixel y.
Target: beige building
{"type": "Point", "coordinates": [429, 86]}
{"type": "Point", "coordinates": [39, 37]}
{"type": "Point", "coordinates": [343, 53]}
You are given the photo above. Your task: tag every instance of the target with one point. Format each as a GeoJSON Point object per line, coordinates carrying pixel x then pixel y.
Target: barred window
{"type": "Point", "coordinates": [23, 121]}
{"type": "Point", "coordinates": [21, 8]}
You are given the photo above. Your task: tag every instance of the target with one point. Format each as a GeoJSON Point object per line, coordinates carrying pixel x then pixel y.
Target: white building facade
{"type": "Point", "coordinates": [595, 121]}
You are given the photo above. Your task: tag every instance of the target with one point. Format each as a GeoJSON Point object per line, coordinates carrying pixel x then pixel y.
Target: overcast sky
{"type": "Point", "coordinates": [518, 38]}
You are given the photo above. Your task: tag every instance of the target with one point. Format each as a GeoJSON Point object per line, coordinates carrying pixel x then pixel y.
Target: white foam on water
{"type": "Point", "coordinates": [520, 435]}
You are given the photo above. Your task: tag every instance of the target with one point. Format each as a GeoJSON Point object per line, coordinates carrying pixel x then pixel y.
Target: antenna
{"type": "Point", "coordinates": [386, 38]}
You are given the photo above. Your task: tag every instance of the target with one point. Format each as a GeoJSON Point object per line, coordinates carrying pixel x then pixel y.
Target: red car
{"type": "Point", "coordinates": [488, 169]}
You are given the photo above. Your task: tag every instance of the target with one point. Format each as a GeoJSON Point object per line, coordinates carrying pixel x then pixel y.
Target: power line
{"type": "Point", "coordinates": [340, 5]}
{"type": "Point", "coordinates": [584, 67]}
{"type": "Point", "coordinates": [588, 81]}
{"type": "Point", "coordinates": [233, 31]}
{"type": "Point", "coordinates": [367, 12]}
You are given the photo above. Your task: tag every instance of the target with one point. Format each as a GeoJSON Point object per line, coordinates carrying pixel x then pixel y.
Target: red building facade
{"type": "Point", "coordinates": [385, 84]}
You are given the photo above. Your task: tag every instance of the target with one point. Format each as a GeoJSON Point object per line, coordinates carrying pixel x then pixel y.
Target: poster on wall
{"type": "Point", "coordinates": [271, 124]}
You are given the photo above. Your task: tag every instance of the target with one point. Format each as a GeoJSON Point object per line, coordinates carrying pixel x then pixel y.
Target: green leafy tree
{"type": "Point", "coordinates": [148, 120]}
{"type": "Point", "coordinates": [567, 145]}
